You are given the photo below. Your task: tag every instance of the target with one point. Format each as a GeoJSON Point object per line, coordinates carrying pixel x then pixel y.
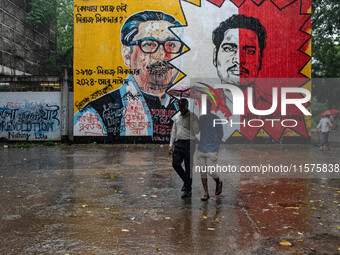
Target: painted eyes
{"type": "Point", "coordinates": [233, 48]}
{"type": "Point", "coordinates": [250, 50]}
{"type": "Point", "coordinates": [171, 45]}
{"type": "Point", "coordinates": [229, 48]}
{"type": "Point", "coordinates": [149, 45]}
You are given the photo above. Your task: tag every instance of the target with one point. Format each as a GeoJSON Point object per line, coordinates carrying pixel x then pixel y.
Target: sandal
{"type": "Point", "coordinates": [205, 197]}
{"type": "Point", "coordinates": [219, 189]}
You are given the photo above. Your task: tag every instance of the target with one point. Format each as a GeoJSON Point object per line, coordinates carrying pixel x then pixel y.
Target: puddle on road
{"type": "Point", "coordinates": [102, 202]}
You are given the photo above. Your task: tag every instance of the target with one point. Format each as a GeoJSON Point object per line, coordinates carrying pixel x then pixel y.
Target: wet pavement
{"type": "Point", "coordinates": [126, 199]}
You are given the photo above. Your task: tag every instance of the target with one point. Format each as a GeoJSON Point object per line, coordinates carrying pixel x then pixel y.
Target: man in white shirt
{"type": "Point", "coordinates": [324, 126]}
{"type": "Point", "coordinates": [183, 132]}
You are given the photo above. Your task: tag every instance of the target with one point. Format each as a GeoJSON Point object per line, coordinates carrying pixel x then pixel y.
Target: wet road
{"type": "Point", "coordinates": [125, 199]}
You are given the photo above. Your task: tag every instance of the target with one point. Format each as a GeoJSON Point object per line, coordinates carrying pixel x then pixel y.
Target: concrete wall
{"type": "Point", "coordinates": [121, 85]}
{"type": "Point", "coordinates": [30, 116]}
{"type": "Point", "coordinates": [70, 116]}
{"type": "Point", "coordinates": [22, 48]}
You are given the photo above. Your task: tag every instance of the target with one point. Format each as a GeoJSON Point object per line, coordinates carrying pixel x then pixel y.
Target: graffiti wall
{"type": "Point", "coordinates": [130, 56]}
{"type": "Point", "coordinates": [30, 116]}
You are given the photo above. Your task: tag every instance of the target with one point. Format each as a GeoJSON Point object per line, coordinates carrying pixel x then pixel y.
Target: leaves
{"type": "Point", "coordinates": [285, 243]}
{"type": "Point", "coordinates": [42, 12]}
{"type": "Point", "coordinates": [292, 207]}
{"type": "Point", "coordinates": [325, 29]}
{"type": "Point", "coordinates": [326, 52]}
{"type": "Point", "coordinates": [58, 13]}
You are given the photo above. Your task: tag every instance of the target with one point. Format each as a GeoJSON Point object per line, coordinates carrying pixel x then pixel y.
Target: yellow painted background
{"type": "Point", "coordinates": [99, 44]}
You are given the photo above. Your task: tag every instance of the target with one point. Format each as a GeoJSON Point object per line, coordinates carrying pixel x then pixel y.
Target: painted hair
{"type": "Point", "coordinates": [130, 27]}
{"type": "Point", "coordinates": [240, 21]}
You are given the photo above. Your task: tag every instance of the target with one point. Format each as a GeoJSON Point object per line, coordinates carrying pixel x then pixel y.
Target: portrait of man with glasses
{"type": "Point", "coordinates": [148, 46]}
{"type": "Point", "coordinates": [140, 106]}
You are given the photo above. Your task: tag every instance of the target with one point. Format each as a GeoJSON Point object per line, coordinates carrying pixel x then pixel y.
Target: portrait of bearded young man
{"type": "Point", "coordinates": [239, 45]}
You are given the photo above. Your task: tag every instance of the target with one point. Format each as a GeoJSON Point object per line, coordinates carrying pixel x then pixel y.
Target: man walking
{"type": "Point", "coordinates": [183, 132]}
{"type": "Point", "coordinates": [324, 125]}
{"type": "Point", "coordinates": [210, 137]}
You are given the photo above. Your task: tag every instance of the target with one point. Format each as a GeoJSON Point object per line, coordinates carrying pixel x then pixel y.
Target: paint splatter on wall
{"type": "Point", "coordinates": [128, 55]}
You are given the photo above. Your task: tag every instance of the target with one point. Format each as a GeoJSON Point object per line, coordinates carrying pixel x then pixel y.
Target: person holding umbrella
{"type": "Point", "coordinates": [208, 149]}
{"type": "Point", "coordinates": [184, 129]}
{"type": "Point", "coordinates": [324, 126]}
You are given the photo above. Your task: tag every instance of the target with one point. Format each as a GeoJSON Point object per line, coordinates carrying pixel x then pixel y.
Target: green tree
{"type": "Point", "coordinates": [326, 51]}
{"type": "Point", "coordinates": [42, 12]}
{"type": "Point", "coordinates": [58, 13]}
{"type": "Point", "coordinates": [325, 35]}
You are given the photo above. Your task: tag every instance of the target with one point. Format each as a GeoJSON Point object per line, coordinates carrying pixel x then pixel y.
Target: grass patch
{"type": "Point", "coordinates": [48, 143]}
{"type": "Point", "coordinates": [22, 145]}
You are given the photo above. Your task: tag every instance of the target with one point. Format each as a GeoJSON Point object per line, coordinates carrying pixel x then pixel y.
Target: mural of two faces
{"type": "Point", "coordinates": [130, 58]}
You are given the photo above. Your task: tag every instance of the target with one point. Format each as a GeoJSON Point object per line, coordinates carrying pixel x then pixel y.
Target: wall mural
{"type": "Point", "coordinates": [33, 119]}
{"type": "Point", "coordinates": [128, 55]}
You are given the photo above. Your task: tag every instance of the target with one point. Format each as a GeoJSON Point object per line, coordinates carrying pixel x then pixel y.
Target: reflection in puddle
{"type": "Point", "coordinates": [136, 158]}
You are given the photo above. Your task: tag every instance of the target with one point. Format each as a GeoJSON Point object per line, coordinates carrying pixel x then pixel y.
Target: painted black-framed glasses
{"type": "Point", "coordinates": [148, 45]}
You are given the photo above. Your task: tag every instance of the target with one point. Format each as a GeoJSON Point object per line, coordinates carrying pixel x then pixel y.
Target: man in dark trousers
{"type": "Point", "coordinates": [324, 126]}
{"type": "Point", "coordinates": [183, 132]}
